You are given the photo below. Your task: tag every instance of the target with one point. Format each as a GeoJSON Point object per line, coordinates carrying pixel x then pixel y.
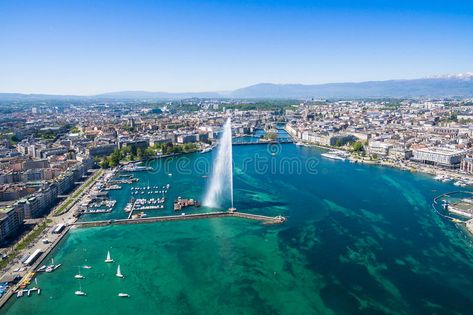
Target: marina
{"type": "Point", "coordinates": [96, 206]}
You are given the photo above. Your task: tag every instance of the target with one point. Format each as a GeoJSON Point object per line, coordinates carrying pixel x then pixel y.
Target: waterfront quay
{"type": "Point", "coordinates": [63, 217]}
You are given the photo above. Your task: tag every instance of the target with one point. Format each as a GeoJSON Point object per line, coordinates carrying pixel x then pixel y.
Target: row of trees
{"type": "Point", "coordinates": [131, 153]}
{"type": "Point", "coordinates": [126, 153]}
{"type": "Point", "coordinates": [169, 148]}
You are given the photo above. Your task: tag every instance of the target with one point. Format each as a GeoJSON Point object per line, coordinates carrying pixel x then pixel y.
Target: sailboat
{"type": "Point", "coordinates": [119, 274]}
{"type": "Point", "coordinates": [80, 292]}
{"type": "Point", "coordinates": [108, 259]}
{"type": "Point", "coordinates": [79, 276]}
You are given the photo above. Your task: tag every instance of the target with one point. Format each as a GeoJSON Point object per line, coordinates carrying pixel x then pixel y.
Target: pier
{"type": "Point", "coordinates": [207, 215]}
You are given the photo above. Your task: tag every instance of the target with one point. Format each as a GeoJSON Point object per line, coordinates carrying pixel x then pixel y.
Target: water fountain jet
{"type": "Point", "coordinates": [220, 188]}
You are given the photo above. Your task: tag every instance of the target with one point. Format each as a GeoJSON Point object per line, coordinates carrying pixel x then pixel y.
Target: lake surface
{"type": "Point", "coordinates": [358, 240]}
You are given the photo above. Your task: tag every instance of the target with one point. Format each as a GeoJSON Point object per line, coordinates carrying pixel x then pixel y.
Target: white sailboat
{"type": "Point", "coordinates": [108, 259]}
{"type": "Point", "coordinates": [80, 292]}
{"type": "Point", "coordinates": [119, 274]}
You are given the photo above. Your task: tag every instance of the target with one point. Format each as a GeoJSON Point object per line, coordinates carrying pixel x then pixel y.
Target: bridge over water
{"type": "Point", "coordinates": [279, 141]}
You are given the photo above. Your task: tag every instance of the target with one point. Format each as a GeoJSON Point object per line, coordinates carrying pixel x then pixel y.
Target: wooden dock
{"type": "Point", "coordinates": [208, 215]}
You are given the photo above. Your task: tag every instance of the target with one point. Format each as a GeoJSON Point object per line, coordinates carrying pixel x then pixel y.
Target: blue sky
{"type": "Point", "coordinates": [87, 47]}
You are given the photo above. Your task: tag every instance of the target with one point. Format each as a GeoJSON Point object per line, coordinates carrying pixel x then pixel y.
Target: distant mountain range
{"type": "Point", "coordinates": [446, 86]}
{"type": "Point", "coordinates": [458, 85]}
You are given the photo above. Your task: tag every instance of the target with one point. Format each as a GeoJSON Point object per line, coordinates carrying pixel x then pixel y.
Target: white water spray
{"type": "Point", "coordinates": [220, 187]}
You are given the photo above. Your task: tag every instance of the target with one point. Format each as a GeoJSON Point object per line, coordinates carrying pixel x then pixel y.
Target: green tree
{"type": "Point", "coordinates": [139, 153]}
{"type": "Point", "coordinates": [104, 163]}
{"type": "Point", "coordinates": [14, 139]}
{"type": "Point", "coordinates": [149, 152]}
{"type": "Point", "coordinates": [357, 146]}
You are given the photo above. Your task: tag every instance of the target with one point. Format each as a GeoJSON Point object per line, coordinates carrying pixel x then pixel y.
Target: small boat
{"type": "Point", "coordinates": [78, 275]}
{"type": "Point", "coordinates": [333, 156]}
{"type": "Point", "coordinates": [19, 294]}
{"type": "Point", "coordinates": [119, 274]}
{"type": "Point", "coordinates": [123, 295]}
{"type": "Point", "coordinates": [80, 292]}
{"type": "Point", "coordinates": [87, 267]}
{"type": "Point", "coordinates": [108, 259]}
{"type": "Point", "coordinates": [170, 174]}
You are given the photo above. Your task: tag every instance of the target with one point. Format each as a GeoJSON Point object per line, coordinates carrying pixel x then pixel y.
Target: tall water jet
{"type": "Point", "coordinates": [220, 188]}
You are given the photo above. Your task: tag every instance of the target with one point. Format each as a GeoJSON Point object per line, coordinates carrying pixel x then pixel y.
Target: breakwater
{"type": "Point", "coordinates": [208, 215]}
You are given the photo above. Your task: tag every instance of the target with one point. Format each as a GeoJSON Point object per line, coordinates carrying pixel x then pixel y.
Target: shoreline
{"type": "Point", "coordinates": [11, 291]}
{"type": "Point", "coordinates": [417, 168]}
{"type": "Point", "coordinates": [55, 219]}
{"type": "Point", "coordinates": [421, 169]}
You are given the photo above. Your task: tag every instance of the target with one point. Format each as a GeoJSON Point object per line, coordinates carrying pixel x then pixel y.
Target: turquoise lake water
{"type": "Point", "coordinates": [358, 240]}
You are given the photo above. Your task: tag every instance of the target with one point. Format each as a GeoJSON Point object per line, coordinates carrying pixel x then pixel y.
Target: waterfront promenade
{"type": "Point", "coordinates": [66, 217]}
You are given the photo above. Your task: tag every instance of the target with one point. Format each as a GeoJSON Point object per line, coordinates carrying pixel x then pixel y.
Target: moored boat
{"type": "Point", "coordinates": [332, 156]}
{"type": "Point", "coordinates": [80, 292]}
